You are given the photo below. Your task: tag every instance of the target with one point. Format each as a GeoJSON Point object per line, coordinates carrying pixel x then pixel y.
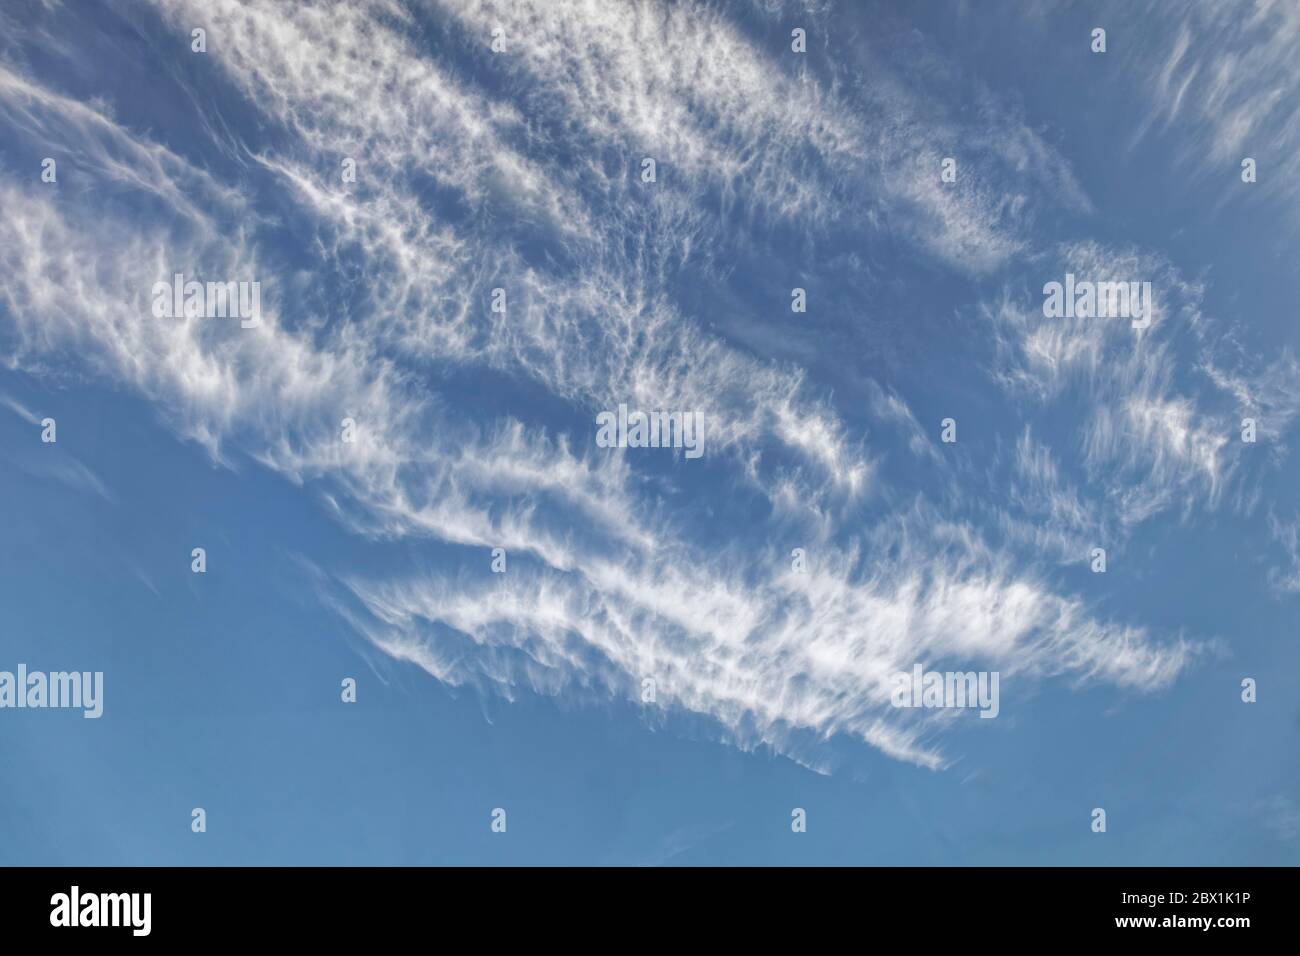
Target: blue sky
{"type": "Point", "coordinates": [475, 429]}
